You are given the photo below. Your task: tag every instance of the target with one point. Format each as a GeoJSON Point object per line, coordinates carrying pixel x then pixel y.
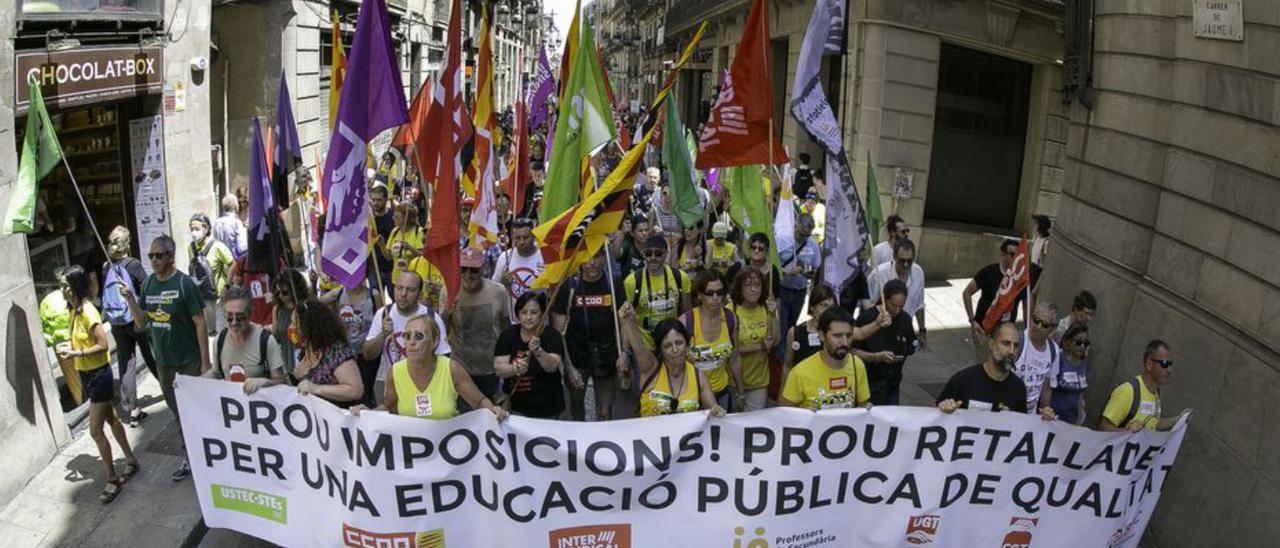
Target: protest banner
{"type": "Point", "coordinates": [298, 471]}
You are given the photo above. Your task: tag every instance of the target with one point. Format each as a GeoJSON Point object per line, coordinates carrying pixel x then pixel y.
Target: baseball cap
{"type": "Point", "coordinates": [720, 229]}
{"type": "Point", "coordinates": [471, 258]}
{"type": "Point", "coordinates": [656, 241]}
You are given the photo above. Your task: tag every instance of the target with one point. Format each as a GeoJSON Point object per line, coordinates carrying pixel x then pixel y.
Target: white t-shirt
{"type": "Point", "coordinates": [393, 348]}
{"type": "Point", "coordinates": [523, 270]}
{"type": "Point", "coordinates": [915, 285]}
{"type": "Point", "coordinates": [1033, 367]}
{"type": "Point", "coordinates": [882, 253]}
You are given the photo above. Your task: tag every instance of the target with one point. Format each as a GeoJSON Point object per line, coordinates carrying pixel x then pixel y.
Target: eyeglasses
{"type": "Point", "coordinates": [713, 293]}
{"type": "Point", "coordinates": [233, 318]}
{"type": "Point", "coordinates": [155, 256]}
{"type": "Point", "coordinates": [1045, 324]}
{"type": "Point", "coordinates": [415, 336]}
{"type": "Point", "coordinates": [1164, 364]}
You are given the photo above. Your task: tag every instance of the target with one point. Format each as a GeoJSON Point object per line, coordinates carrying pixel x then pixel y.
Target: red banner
{"type": "Point", "coordinates": [1015, 282]}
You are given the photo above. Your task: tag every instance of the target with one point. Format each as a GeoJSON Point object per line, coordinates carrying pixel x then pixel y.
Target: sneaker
{"type": "Point", "coordinates": [182, 472]}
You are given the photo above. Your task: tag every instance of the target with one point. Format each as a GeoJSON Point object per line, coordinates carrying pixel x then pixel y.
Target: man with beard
{"type": "Point", "coordinates": [831, 378]}
{"type": "Point", "coordinates": [991, 385]}
{"type": "Point", "coordinates": [478, 316]}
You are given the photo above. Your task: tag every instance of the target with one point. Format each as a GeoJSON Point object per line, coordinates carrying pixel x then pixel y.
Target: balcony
{"type": "Point", "coordinates": [687, 14]}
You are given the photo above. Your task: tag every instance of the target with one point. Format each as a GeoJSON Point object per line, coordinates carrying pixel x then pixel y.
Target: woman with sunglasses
{"type": "Point", "coordinates": [757, 315]}
{"type": "Point", "coordinates": [689, 250]}
{"type": "Point", "coordinates": [712, 329]}
{"type": "Point", "coordinates": [328, 366]}
{"type": "Point", "coordinates": [529, 356]}
{"type": "Point", "coordinates": [88, 348]}
{"type": "Point", "coordinates": [1069, 377]}
{"type": "Point", "coordinates": [286, 292]}
{"type": "Point", "coordinates": [426, 385]}
{"type": "Point", "coordinates": [670, 382]}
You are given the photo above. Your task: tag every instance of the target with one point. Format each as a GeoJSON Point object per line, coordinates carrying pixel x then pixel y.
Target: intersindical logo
{"type": "Point", "coordinates": [617, 535]}
{"type": "Point", "coordinates": [247, 501]}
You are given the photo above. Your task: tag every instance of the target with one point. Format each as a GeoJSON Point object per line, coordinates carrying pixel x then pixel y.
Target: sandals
{"type": "Point", "coordinates": [130, 469]}
{"type": "Point", "coordinates": [111, 490]}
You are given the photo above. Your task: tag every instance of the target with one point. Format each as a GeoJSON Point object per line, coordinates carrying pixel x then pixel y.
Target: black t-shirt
{"type": "Point", "coordinates": [801, 182]}
{"type": "Point", "coordinates": [536, 393]}
{"type": "Point", "coordinates": [975, 390]}
{"type": "Point", "coordinates": [632, 257]}
{"type": "Point", "coordinates": [806, 343]}
{"type": "Point", "coordinates": [988, 281]}
{"type": "Point", "coordinates": [590, 335]}
{"type": "Point", "coordinates": [384, 223]}
{"type": "Point", "coordinates": [898, 337]}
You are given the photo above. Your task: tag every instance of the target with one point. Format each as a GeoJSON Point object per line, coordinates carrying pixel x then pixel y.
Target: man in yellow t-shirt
{"type": "Point", "coordinates": [832, 378]}
{"type": "Point", "coordinates": [657, 291]}
{"type": "Point", "coordinates": [1122, 413]}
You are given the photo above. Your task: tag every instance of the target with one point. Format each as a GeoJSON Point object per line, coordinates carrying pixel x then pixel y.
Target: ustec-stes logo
{"type": "Point", "coordinates": [921, 529]}
{"type": "Point", "coordinates": [359, 538]}
{"type": "Point", "coordinates": [617, 535]}
{"type": "Point", "coordinates": [1019, 535]}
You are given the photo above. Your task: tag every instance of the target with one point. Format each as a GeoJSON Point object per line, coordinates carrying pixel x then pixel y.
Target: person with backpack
{"type": "Point", "coordinates": [125, 271]}
{"type": "Point", "coordinates": [244, 352]}
{"type": "Point", "coordinates": [1038, 355]}
{"type": "Point", "coordinates": [657, 292]}
{"type": "Point", "coordinates": [1135, 405]}
{"type": "Point", "coordinates": [355, 307]}
{"type": "Point", "coordinates": [172, 311]}
{"type": "Point", "coordinates": [585, 311]}
{"type": "Point", "coordinates": [210, 268]}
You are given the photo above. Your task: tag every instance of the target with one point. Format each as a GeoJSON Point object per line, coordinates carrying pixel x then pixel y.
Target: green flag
{"type": "Point", "coordinates": [684, 195]}
{"type": "Point", "coordinates": [748, 204]}
{"type": "Point", "coordinates": [40, 154]}
{"type": "Point", "coordinates": [874, 216]}
{"type": "Point", "coordinates": [584, 123]}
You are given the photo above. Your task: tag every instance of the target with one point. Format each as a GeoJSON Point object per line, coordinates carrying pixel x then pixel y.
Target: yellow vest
{"type": "Point", "coordinates": [439, 401]}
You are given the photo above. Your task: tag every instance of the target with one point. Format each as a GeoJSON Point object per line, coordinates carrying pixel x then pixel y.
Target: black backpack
{"type": "Point", "coordinates": [201, 273]}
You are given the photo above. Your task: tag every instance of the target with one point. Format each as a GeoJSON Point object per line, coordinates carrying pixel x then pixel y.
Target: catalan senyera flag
{"type": "Point", "coordinates": [573, 237]}
{"type": "Point", "coordinates": [339, 71]}
{"type": "Point", "coordinates": [479, 178]}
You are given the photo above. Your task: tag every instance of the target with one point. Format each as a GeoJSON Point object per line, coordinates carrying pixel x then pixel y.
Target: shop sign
{"type": "Point", "coordinates": [87, 75]}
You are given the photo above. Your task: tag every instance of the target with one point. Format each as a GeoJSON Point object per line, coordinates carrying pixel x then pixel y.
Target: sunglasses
{"type": "Point", "coordinates": [713, 293]}
{"type": "Point", "coordinates": [233, 318]}
{"type": "Point", "coordinates": [155, 256]}
{"type": "Point", "coordinates": [1082, 343]}
{"type": "Point", "coordinates": [652, 254]}
{"type": "Point", "coordinates": [415, 336]}
{"type": "Point", "coordinates": [1045, 324]}
{"type": "Point", "coordinates": [468, 270]}
{"type": "Point", "coordinates": [1164, 364]}
{"type": "Point", "coordinates": [759, 248]}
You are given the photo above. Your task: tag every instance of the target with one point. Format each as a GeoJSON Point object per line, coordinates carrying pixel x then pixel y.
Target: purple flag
{"type": "Point", "coordinates": [264, 245]}
{"type": "Point", "coordinates": [372, 100]}
{"type": "Point", "coordinates": [288, 153]}
{"type": "Point", "coordinates": [543, 86]}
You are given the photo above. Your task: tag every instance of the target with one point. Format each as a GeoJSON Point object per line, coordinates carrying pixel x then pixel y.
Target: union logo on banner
{"type": "Point", "coordinates": [921, 529]}
{"type": "Point", "coordinates": [1016, 279]}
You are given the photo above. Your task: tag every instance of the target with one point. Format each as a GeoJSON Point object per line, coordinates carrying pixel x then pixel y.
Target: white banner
{"type": "Point", "coordinates": [297, 471]}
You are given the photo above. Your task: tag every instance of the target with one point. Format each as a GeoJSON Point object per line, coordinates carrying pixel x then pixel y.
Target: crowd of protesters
{"type": "Point", "coordinates": [664, 319]}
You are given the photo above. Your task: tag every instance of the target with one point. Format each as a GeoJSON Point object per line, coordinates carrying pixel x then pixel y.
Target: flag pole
{"type": "Point", "coordinates": [87, 215]}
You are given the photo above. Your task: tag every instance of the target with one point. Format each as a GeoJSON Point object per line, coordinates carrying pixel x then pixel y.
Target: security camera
{"type": "Point", "coordinates": [199, 64]}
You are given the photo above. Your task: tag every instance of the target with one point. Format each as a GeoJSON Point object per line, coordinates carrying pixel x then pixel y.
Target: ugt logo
{"type": "Point", "coordinates": [921, 529]}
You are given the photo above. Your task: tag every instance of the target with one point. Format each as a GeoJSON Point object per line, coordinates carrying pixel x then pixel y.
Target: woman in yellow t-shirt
{"type": "Point", "coordinates": [757, 315]}
{"type": "Point", "coordinates": [721, 254]}
{"type": "Point", "coordinates": [670, 383]}
{"type": "Point", "coordinates": [425, 385]}
{"type": "Point", "coordinates": [88, 348]}
{"type": "Point", "coordinates": [712, 332]}
{"type": "Point", "coordinates": [405, 241]}
{"type": "Point", "coordinates": [689, 250]}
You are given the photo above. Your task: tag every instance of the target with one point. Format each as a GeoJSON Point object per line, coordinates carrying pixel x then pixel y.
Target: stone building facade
{"type": "Point", "coordinates": [1168, 215]}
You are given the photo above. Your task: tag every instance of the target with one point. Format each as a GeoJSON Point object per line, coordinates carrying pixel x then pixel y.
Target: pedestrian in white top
{"type": "Point", "coordinates": [905, 268]}
{"type": "Point", "coordinates": [386, 338]}
{"type": "Point", "coordinates": [883, 251]}
{"type": "Point", "coordinates": [519, 266]}
{"type": "Point", "coordinates": [1035, 361]}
